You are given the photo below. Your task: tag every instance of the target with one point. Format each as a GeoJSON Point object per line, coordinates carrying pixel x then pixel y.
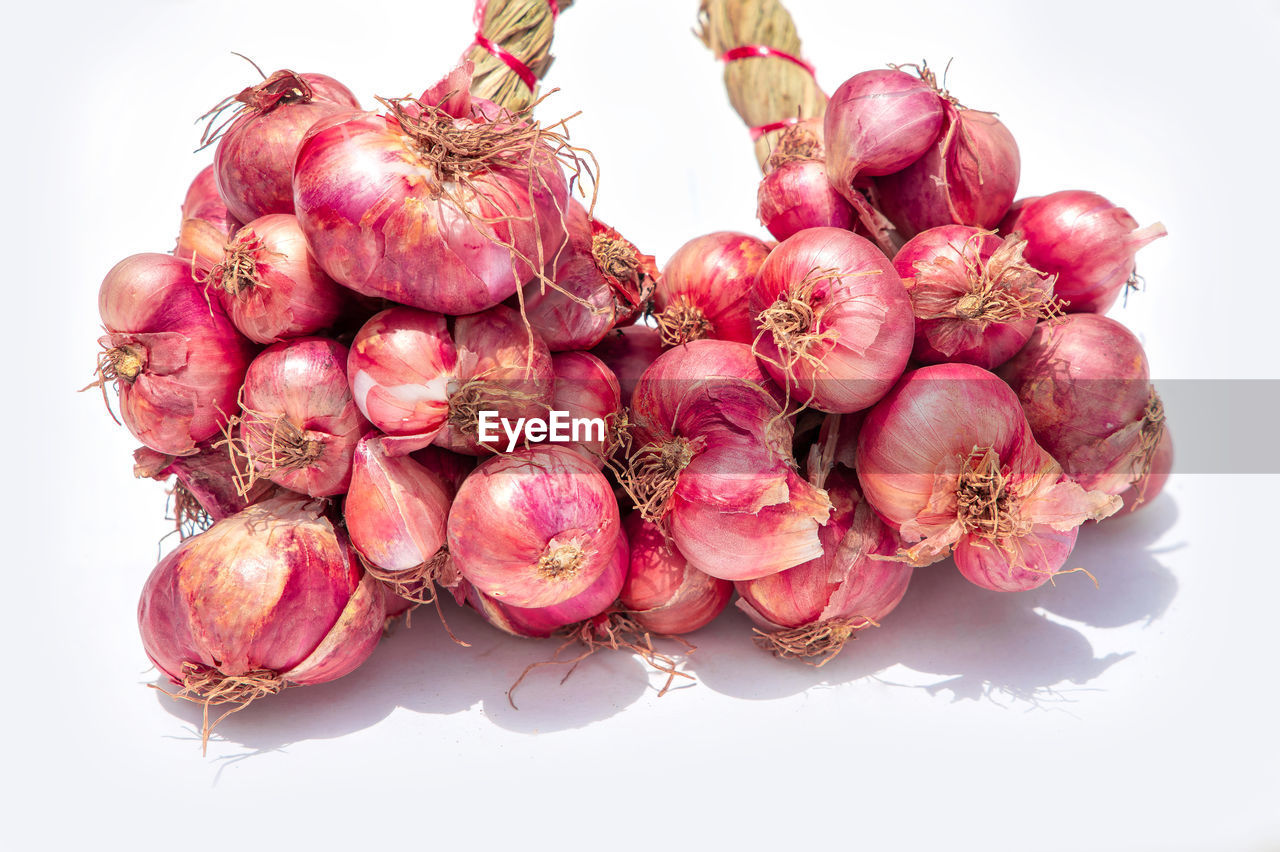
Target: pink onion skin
{"type": "Point", "coordinates": [273, 587]}
{"type": "Point", "coordinates": [712, 274]}
{"type": "Point", "coordinates": [879, 122]}
{"type": "Point", "coordinates": [664, 593]}
{"type": "Point", "coordinates": [203, 203]}
{"type": "Point", "coordinates": [288, 294]}
{"type": "Point", "coordinates": [586, 388]}
{"type": "Point", "coordinates": [396, 508]}
{"type": "Point", "coordinates": [969, 177]}
{"type": "Point", "coordinates": [565, 324]}
{"type": "Point", "coordinates": [452, 468]}
{"type": "Point", "coordinates": [740, 487]}
{"type": "Point", "coordinates": [254, 158]}
{"type": "Point", "coordinates": [946, 262]}
{"type": "Point", "coordinates": [542, 622]}
{"type": "Point", "coordinates": [847, 581]}
{"type": "Point", "coordinates": [916, 450]}
{"type": "Point", "coordinates": [516, 509]}
{"type": "Point", "coordinates": [207, 475]}
{"type": "Point", "coordinates": [304, 382]}
{"type": "Point", "coordinates": [1086, 241]}
{"type": "Point", "coordinates": [380, 221]}
{"type": "Point", "coordinates": [192, 359]}
{"type": "Point", "coordinates": [1150, 484]}
{"type": "Point", "coordinates": [1085, 386]}
{"type": "Point", "coordinates": [406, 366]}
{"type": "Point", "coordinates": [628, 352]}
{"type": "Point", "coordinates": [866, 310]}
{"type": "Point", "coordinates": [798, 195]}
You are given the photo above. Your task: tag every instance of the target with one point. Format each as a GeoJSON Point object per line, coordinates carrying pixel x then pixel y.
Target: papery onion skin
{"type": "Point", "coordinates": [949, 460]}
{"type": "Point", "coordinates": [735, 487]}
{"type": "Point", "coordinates": [943, 265]}
{"type": "Point", "coordinates": [298, 388]}
{"type": "Point", "coordinates": [207, 475]}
{"type": "Point", "coordinates": [275, 587]}
{"type": "Point", "coordinates": [664, 593]}
{"type": "Point", "coordinates": [703, 288]}
{"type": "Point", "coordinates": [1086, 241]}
{"type": "Point", "coordinates": [542, 622]}
{"type": "Point", "coordinates": [269, 284]}
{"type": "Point", "coordinates": [535, 527]}
{"type": "Point", "coordinates": [395, 509]}
{"type": "Point", "coordinates": [254, 158]}
{"type": "Point", "coordinates": [408, 368]}
{"type": "Point", "coordinates": [628, 352]}
{"type": "Point", "coordinates": [587, 389]}
{"type": "Point", "coordinates": [1085, 387]}
{"type": "Point", "coordinates": [798, 195]}
{"type": "Point", "coordinates": [177, 361]}
{"type": "Point", "coordinates": [846, 581]}
{"type": "Point", "coordinates": [879, 122]}
{"type": "Point", "coordinates": [384, 221]}
{"type": "Point", "coordinates": [969, 177]}
{"type": "Point", "coordinates": [562, 322]}
{"type": "Point", "coordinates": [859, 328]}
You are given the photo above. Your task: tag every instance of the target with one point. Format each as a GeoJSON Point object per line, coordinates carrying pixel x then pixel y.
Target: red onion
{"type": "Point", "coordinates": [206, 485]}
{"type": "Point", "coordinates": [948, 459]}
{"type": "Point", "coordinates": [424, 377]}
{"type": "Point", "coordinates": [976, 299]}
{"type": "Point", "coordinates": [300, 425]}
{"type": "Point", "coordinates": [879, 122]}
{"type": "Point", "coordinates": [628, 352]}
{"type": "Point", "coordinates": [813, 609]}
{"type": "Point", "coordinates": [798, 195]}
{"type": "Point", "coordinates": [395, 511]}
{"type": "Point", "coordinates": [269, 597]}
{"type": "Point", "coordinates": [1086, 390]}
{"type": "Point", "coordinates": [270, 285]}
{"type": "Point", "coordinates": [204, 204]}
{"type": "Point", "coordinates": [968, 177]}
{"type": "Point", "coordinates": [535, 527]}
{"type": "Point", "coordinates": [713, 463]}
{"type": "Point", "coordinates": [177, 361]}
{"type": "Point", "coordinates": [601, 281]}
{"type": "Point", "coordinates": [542, 622]}
{"type": "Point", "coordinates": [588, 390]}
{"type": "Point", "coordinates": [254, 158]}
{"type": "Point", "coordinates": [835, 321]}
{"type": "Point", "coordinates": [703, 288]}
{"type": "Point", "coordinates": [664, 593]}
{"type": "Point", "coordinates": [447, 207]}
{"type": "Point", "coordinates": [1086, 241]}
{"type": "Point", "coordinates": [795, 193]}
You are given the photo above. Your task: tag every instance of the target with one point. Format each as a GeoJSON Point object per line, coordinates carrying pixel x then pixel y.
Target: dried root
{"type": "Point", "coordinates": [189, 517]}
{"type": "Point", "coordinates": [207, 686]}
{"type": "Point", "coordinates": [418, 584]}
{"type": "Point", "coordinates": [614, 631]}
{"type": "Point", "coordinates": [1149, 440]}
{"type": "Point", "coordinates": [266, 444]}
{"type": "Point", "coordinates": [1002, 289]}
{"type": "Point", "coordinates": [285, 87]}
{"type": "Point", "coordinates": [682, 322]}
{"type": "Point", "coordinates": [985, 503]}
{"type": "Point", "coordinates": [823, 639]}
{"type": "Point", "coordinates": [651, 474]}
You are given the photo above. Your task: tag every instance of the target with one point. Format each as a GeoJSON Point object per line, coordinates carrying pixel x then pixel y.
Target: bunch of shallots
{"type": "Point", "coordinates": [394, 358]}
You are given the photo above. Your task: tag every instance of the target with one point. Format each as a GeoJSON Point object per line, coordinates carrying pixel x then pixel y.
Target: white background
{"type": "Point", "coordinates": [1137, 716]}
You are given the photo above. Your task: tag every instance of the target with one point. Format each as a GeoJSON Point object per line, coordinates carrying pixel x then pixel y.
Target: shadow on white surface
{"type": "Point", "coordinates": [984, 644]}
{"type": "Point", "coordinates": [419, 668]}
{"type": "Point", "coordinates": [967, 642]}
